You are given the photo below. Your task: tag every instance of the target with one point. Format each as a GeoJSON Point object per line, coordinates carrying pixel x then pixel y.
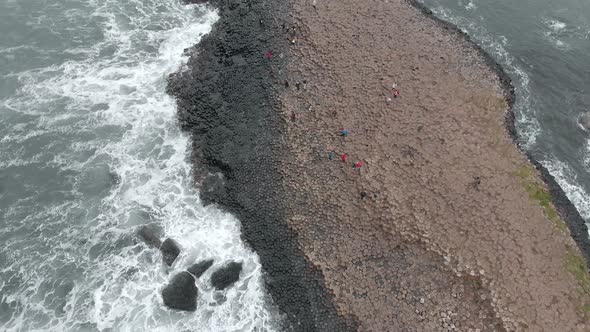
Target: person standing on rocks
{"type": "Point", "coordinates": [343, 135]}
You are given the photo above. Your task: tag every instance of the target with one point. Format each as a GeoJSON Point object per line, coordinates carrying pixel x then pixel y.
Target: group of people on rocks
{"type": "Point", "coordinates": [343, 133]}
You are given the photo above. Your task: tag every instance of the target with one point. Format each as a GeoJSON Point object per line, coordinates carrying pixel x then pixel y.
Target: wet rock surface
{"type": "Point", "coordinates": [150, 235]}
{"type": "Point", "coordinates": [227, 102]}
{"type": "Point", "coordinates": [226, 276]}
{"type": "Point", "coordinates": [199, 268]}
{"type": "Point", "coordinates": [193, 2]}
{"type": "Point", "coordinates": [170, 250]}
{"type": "Point", "coordinates": [181, 293]}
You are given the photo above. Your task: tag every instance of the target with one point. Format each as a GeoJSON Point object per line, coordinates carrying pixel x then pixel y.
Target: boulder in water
{"type": "Point", "coordinates": [181, 292]}
{"type": "Point", "coordinates": [584, 121]}
{"type": "Point", "coordinates": [226, 275]}
{"type": "Point", "coordinates": [198, 269]}
{"type": "Point", "coordinates": [170, 250]}
{"type": "Point", "coordinates": [150, 236]}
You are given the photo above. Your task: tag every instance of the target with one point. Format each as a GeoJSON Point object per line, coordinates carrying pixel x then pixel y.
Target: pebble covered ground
{"type": "Point", "coordinates": [434, 221]}
{"type": "Point", "coordinates": [443, 227]}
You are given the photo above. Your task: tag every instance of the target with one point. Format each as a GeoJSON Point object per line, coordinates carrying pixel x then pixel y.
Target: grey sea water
{"type": "Point", "coordinates": [545, 48]}
{"type": "Point", "coordinates": [90, 151]}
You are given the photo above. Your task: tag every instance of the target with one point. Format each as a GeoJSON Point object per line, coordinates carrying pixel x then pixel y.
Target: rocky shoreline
{"type": "Point", "coordinates": [229, 100]}
{"type": "Point", "coordinates": [566, 209]}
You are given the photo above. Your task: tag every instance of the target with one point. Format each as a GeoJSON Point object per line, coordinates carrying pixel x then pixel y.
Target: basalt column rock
{"type": "Point", "coordinates": [198, 269]}
{"type": "Point", "coordinates": [170, 250]}
{"type": "Point", "coordinates": [226, 275]}
{"type": "Point", "coordinates": [227, 101]}
{"type": "Point", "coordinates": [181, 292]}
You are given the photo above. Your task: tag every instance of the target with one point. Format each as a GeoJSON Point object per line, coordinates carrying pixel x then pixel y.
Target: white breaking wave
{"type": "Point", "coordinates": [135, 156]}
{"type": "Point", "coordinates": [568, 181]}
{"type": "Point", "coordinates": [555, 25]}
{"type": "Point", "coordinates": [469, 4]}
{"type": "Point", "coordinates": [554, 33]}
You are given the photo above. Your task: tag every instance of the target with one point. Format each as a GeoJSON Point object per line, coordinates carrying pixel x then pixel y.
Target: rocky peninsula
{"type": "Point", "coordinates": [367, 148]}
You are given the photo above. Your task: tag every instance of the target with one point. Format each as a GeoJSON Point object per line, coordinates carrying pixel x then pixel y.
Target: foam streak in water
{"type": "Point", "coordinates": [101, 135]}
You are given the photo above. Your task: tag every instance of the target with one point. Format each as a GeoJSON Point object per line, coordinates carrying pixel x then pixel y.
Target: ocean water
{"type": "Point", "coordinates": [90, 151]}
{"type": "Point", "coordinates": [545, 48]}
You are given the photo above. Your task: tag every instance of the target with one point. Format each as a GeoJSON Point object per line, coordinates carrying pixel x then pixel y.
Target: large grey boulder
{"type": "Point", "coordinates": [198, 269]}
{"type": "Point", "coordinates": [150, 235]}
{"type": "Point", "coordinates": [181, 293]}
{"type": "Point", "coordinates": [226, 275]}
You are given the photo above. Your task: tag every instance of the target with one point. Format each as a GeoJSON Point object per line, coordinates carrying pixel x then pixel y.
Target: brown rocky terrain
{"type": "Point", "coordinates": [446, 226]}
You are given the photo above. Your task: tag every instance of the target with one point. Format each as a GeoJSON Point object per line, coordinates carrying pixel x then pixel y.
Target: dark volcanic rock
{"type": "Point", "coordinates": [170, 250]}
{"type": "Point", "coordinates": [226, 275]}
{"type": "Point", "coordinates": [198, 269]}
{"type": "Point", "coordinates": [181, 292]}
{"type": "Point", "coordinates": [227, 101]}
{"type": "Point", "coordinates": [566, 210]}
{"type": "Point", "coordinates": [150, 236]}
